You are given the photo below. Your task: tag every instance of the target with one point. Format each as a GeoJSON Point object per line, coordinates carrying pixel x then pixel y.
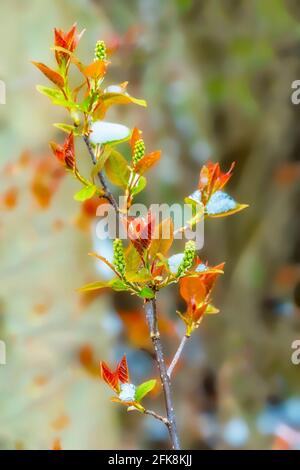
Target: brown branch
{"type": "Point", "coordinates": [107, 193]}
{"type": "Point", "coordinates": [157, 416]}
{"type": "Point", "coordinates": [151, 317]}
{"type": "Point", "coordinates": [150, 308]}
{"type": "Point", "coordinates": [177, 355]}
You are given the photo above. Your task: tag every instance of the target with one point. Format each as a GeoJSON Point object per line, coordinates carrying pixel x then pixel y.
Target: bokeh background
{"type": "Point", "coordinates": [217, 77]}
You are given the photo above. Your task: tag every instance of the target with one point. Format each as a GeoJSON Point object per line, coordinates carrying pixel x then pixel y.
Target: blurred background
{"type": "Point", "coordinates": [217, 78]}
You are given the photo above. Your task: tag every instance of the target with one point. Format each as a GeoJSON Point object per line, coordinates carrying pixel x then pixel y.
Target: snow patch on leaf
{"type": "Point", "coordinates": [174, 262]}
{"type": "Point", "coordinates": [103, 132]}
{"type": "Point", "coordinates": [220, 203]}
{"type": "Point", "coordinates": [127, 393]}
{"type": "Point", "coordinates": [201, 268]}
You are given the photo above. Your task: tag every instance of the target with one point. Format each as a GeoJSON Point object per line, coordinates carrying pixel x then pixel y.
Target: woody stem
{"type": "Point", "coordinates": [157, 416]}
{"type": "Point", "coordinates": [177, 355]}
{"type": "Point", "coordinates": [151, 317]}
{"type": "Point", "coordinates": [107, 193]}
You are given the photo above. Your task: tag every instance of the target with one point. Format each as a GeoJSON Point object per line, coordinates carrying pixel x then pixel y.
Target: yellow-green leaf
{"type": "Point", "coordinates": [147, 293]}
{"type": "Point", "coordinates": [87, 192]}
{"type": "Point", "coordinates": [162, 238]}
{"type": "Point", "coordinates": [143, 389]}
{"type": "Point", "coordinates": [116, 168]}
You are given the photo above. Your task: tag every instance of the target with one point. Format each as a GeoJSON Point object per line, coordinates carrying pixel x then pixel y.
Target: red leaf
{"type": "Point", "coordinates": [53, 76]}
{"type": "Point", "coordinates": [140, 231]}
{"type": "Point", "coordinates": [122, 370]}
{"type": "Point", "coordinates": [111, 378]}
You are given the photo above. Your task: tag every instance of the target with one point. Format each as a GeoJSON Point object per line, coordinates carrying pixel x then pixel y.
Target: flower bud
{"type": "Point", "coordinates": [100, 50]}
{"type": "Point", "coordinates": [188, 258]}
{"type": "Point", "coordinates": [119, 257]}
{"type": "Point", "coordinates": [139, 151]}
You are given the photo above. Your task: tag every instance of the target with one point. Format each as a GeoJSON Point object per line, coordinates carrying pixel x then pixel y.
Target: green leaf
{"type": "Point", "coordinates": [57, 97]}
{"type": "Point", "coordinates": [142, 275]}
{"type": "Point", "coordinates": [85, 193]}
{"type": "Point", "coordinates": [115, 284]}
{"type": "Point", "coordinates": [52, 93]}
{"type": "Point", "coordinates": [66, 128]}
{"type": "Point", "coordinates": [143, 389]}
{"type": "Point", "coordinates": [94, 286]}
{"type": "Point", "coordinates": [141, 184]}
{"type": "Point", "coordinates": [101, 161]}
{"type": "Point", "coordinates": [132, 258]}
{"type": "Point", "coordinates": [118, 285]}
{"type": "Point", "coordinates": [147, 293]}
{"type": "Point", "coordinates": [116, 168]}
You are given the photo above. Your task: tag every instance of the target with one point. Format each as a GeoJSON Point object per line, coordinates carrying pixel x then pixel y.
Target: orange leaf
{"type": "Point", "coordinates": [147, 162]}
{"type": "Point", "coordinates": [53, 76]}
{"type": "Point", "coordinates": [96, 69]}
{"type": "Point", "coordinates": [136, 135]}
{"type": "Point", "coordinates": [192, 287]}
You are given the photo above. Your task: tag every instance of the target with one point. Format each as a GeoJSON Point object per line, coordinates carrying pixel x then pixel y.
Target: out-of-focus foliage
{"type": "Point", "coordinates": [218, 76]}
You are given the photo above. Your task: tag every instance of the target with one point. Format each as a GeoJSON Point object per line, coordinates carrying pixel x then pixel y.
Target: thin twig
{"type": "Point", "coordinates": [151, 316]}
{"type": "Point", "coordinates": [177, 355]}
{"type": "Point", "coordinates": [157, 416]}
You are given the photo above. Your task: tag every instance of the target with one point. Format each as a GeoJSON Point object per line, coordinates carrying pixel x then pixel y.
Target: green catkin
{"type": "Point", "coordinates": [139, 151]}
{"type": "Point", "coordinates": [188, 258]}
{"type": "Point", "coordinates": [100, 50]}
{"type": "Point", "coordinates": [119, 257]}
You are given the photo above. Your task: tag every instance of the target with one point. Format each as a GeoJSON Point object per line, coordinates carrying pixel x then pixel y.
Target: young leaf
{"type": "Point", "coordinates": [53, 76]}
{"type": "Point", "coordinates": [141, 184]}
{"type": "Point", "coordinates": [122, 369]}
{"type": "Point", "coordinates": [221, 204]}
{"type": "Point", "coordinates": [211, 309]}
{"type": "Point", "coordinates": [132, 259]}
{"type": "Point", "coordinates": [110, 377]}
{"type": "Point", "coordinates": [117, 170]}
{"type": "Point", "coordinates": [141, 276]}
{"type": "Point", "coordinates": [162, 238]}
{"type": "Point", "coordinates": [65, 127]}
{"type": "Point", "coordinates": [101, 161]}
{"type": "Point", "coordinates": [52, 93]}
{"type": "Point", "coordinates": [121, 98]}
{"type": "Point", "coordinates": [117, 285]}
{"type": "Point", "coordinates": [87, 192]}
{"type": "Point", "coordinates": [94, 286]}
{"type": "Point", "coordinates": [147, 162]}
{"type": "Point", "coordinates": [96, 69]}
{"type": "Point", "coordinates": [143, 389]}
{"type": "Point", "coordinates": [147, 293]}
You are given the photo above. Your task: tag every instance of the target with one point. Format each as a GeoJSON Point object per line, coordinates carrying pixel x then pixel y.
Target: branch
{"type": "Point", "coordinates": [107, 193]}
{"type": "Point", "coordinates": [151, 317]}
{"type": "Point", "coordinates": [177, 355]}
{"type": "Point", "coordinates": [157, 416]}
